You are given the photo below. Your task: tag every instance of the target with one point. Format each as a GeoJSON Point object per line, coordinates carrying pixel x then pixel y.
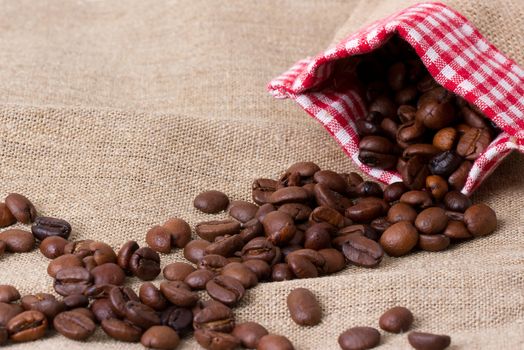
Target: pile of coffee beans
{"type": "Point", "coordinates": [308, 223]}
{"type": "Point", "coordinates": [428, 134]}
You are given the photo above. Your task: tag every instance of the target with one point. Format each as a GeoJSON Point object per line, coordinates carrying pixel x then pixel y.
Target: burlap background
{"type": "Point", "coordinates": [114, 115]}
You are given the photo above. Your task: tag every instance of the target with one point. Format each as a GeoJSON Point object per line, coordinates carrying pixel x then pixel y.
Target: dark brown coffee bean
{"type": "Point", "coordinates": [291, 194]}
{"type": "Point", "coordinates": [121, 330]}
{"type": "Point", "coordinates": [431, 221]}
{"type": "Point", "coordinates": [359, 338]}
{"type": "Point", "coordinates": [63, 261]}
{"type": "Point", "coordinates": [195, 250]}
{"type": "Point", "coordinates": [259, 248]}
{"type": "Point", "coordinates": [327, 215]}
{"type": "Point", "coordinates": [249, 334]}
{"type": "Point", "coordinates": [304, 169]}
{"type": "Point", "coordinates": [211, 340]}
{"type": "Point", "coordinates": [210, 230]}
{"type": "Point", "coordinates": [27, 326]}
{"type": "Point", "coordinates": [393, 191]}
{"type": "Point", "coordinates": [74, 325]}
{"type": "Point", "coordinates": [367, 128]}
{"type": "Point", "coordinates": [406, 113]}
{"type": "Point", "coordinates": [251, 229]}
{"type": "Point", "coordinates": [259, 267]}
{"type": "Point", "coordinates": [327, 197]}
{"type": "Point", "coordinates": [457, 230]}
{"type": "Point", "coordinates": [99, 291]}
{"type": "Point", "coordinates": [304, 307]}
{"type": "Point", "coordinates": [274, 342]}
{"type": "Point", "coordinates": [214, 316]}
{"type": "Point", "coordinates": [410, 132]}
{"type": "Point", "coordinates": [43, 302]}
{"type": "Point", "coordinates": [445, 139]}
{"type": "Point", "coordinates": [399, 239]}
{"type": "Point", "coordinates": [428, 341]}
{"type": "Point", "coordinates": [417, 199]}
{"type": "Point", "coordinates": [8, 311]}
{"type": "Point", "coordinates": [262, 189]}
{"type": "Point", "coordinates": [367, 209]}
{"type": "Point", "coordinates": [100, 252]}
{"type": "Point", "coordinates": [281, 272]}
{"type": "Point", "coordinates": [384, 105]}
{"type": "Point", "coordinates": [159, 239]}
{"type": "Point", "coordinates": [178, 318]}
{"type": "Point", "coordinates": [473, 143]}
{"type": "Point", "coordinates": [241, 273]}
{"type": "Point", "coordinates": [434, 114]}
{"type": "Point", "coordinates": [8, 293]}
{"type": "Point", "coordinates": [75, 301]}
{"type": "Point", "coordinates": [362, 251]}
{"type": "Point", "coordinates": [225, 246]}
{"type": "Point", "coordinates": [44, 227]}
{"type": "Point", "coordinates": [6, 217]}
{"type": "Point", "coordinates": [242, 211]}
{"type": "Point", "coordinates": [72, 280]}
{"type": "Point", "coordinates": [318, 236]}
{"type": "Point", "coordinates": [396, 320]}
{"type": "Point", "coordinates": [108, 274]}
{"type": "Point", "coordinates": [379, 225]}
{"type": "Point", "coordinates": [102, 309]}
{"type": "Point", "coordinates": [401, 212]}
{"type": "Point", "coordinates": [225, 289]}
{"type": "Point", "coordinates": [424, 150]}
{"type": "Point", "coordinates": [179, 230]}
{"type": "Point", "coordinates": [151, 296]}
{"type": "Point", "coordinates": [457, 201]}
{"type": "Point", "coordinates": [17, 241]}
{"type": "Point", "coordinates": [53, 247]}
{"type": "Point", "coordinates": [437, 186]}
{"type": "Point", "coordinates": [178, 293]}
{"type": "Point", "coordinates": [140, 314]}
{"type": "Point", "coordinates": [213, 262]}
{"type": "Point", "coordinates": [125, 253]}
{"type": "Point", "coordinates": [396, 76]}
{"type": "Point", "coordinates": [177, 271]}
{"type": "Point", "coordinates": [306, 263]}
{"type": "Point", "coordinates": [415, 172]}
{"type": "Point", "coordinates": [86, 312]}
{"type": "Point", "coordinates": [197, 280]}
{"type": "Point", "coordinates": [21, 208]}
{"type": "Point", "coordinates": [297, 211]}
{"type": "Point", "coordinates": [211, 202]}
{"type": "Point", "coordinates": [279, 227]}
{"type": "Point", "coordinates": [145, 264]}
{"type": "Point", "coordinates": [369, 189]}
{"type": "Point", "coordinates": [433, 243]}
{"type": "Point", "coordinates": [332, 180]}
{"type": "Point", "coordinates": [160, 337]}
{"type": "Point", "coordinates": [335, 260]}
{"type": "Point", "coordinates": [444, 163]}
{"type": "Point", "coordinates": [458, 178]}
{"type": "Point", "coordinates": [480, 220]}
{"type": "Point", "coordinates": [377, 152]}
{"type": "Point", "coordinates": [263, 210]}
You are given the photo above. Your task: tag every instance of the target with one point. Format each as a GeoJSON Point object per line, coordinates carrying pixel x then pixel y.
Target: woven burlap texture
{"type": "Point", "coordinates": [114, 115]}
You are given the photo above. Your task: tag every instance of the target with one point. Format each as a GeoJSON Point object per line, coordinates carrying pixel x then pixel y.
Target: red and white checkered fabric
{"type": "Point", "coordinates": [455, 54]}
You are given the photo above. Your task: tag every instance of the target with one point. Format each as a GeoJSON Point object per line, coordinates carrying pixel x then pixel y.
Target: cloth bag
{"type": "Point", "coordinates": [454, 52]}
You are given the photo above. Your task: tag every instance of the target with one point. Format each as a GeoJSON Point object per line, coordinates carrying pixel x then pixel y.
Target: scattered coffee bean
{"type": "Point", "coordinates": [8, 293]}
{"type": "Point", "coordinates": [359, 338]}
{"type": "Point", "coordinates": [178, 318]}
{"type": "Point", "coordinates": [198, 279]}
{"type": "Point", "coordinates": [145, 264]}
{"type": "Point", "coordinates": [396, 320]}
{"type": "Point", "coordinates": [8, 311]}
{"type": "Point", "coordinates": [214, 316]}
{"type": "Point", "coordinates": [362, 251]}
{"type": "Point", "coordinates": [304, 307]}
{"type": "Point", "coordinates": [428, 341]}
{"type": "Point", "coordinates": [121, 330]}
{"type": "Point", "coordinates": [151, 296]}
{"type": "Point", "coordinates": [273, 342]}
{"type": "Point", "coordinates": [21, 208]}
{"type": "Point", "coordinates": [17, 241]}
{"type": "Point", "coordinates": [159, 239]}
{"type": "Point", "coordinates": [179, 230]}
{"type": "Point", "coordinates": [211, 202]}
{"type": "Point", "coordinates": [160, 337]}
{"type": "Point", "coordinates": [27, 326]}
{"type": "Point", "coordinates": [480, 220]}
{"type": "Point", "coordinates": [6, 217]}
{"type": "Point", "coordinates": [74, 325]}
{"type": "Point", "coordinates": [53, 246]}
{"type": "Point", "coordinates": [210, 230]}
{"type": "Point", "coordinates": [178, 293]}
{"type": "Point", "coordinates": [211, 340]}
{"type": "Point", "coordinates": [44, 227]}
{"type": "Point", "coordinates": [242, 211]}
{"type": "Point", "coordinates": [225, 289]}
{"type": "Point", "coordinates": [249, 334]}
{"type": "Point", "coordinates": [177, 271]}
{"type": "Point", "coordinates": [45, 303]}
{"type": "Point", "coordinates": [399, 239]}
{"type": "Point", "coordinates": [109, 273]}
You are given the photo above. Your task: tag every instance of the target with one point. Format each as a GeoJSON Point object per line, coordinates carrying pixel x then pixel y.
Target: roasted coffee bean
{"type": "Point", "coordinates": [74, 325]}
{"type": "Point", "coordinates": [211, 202]}
{"type": "Point", "coordinates": [214, 316]}
{"type": "Point", "coordinates": [279, 227]}
{"type": "Point", "coordinates": [399, 239]}
{"type": "Point", "coordinates": [52, 247]}
{"type": "Point", "coordinates": [17, 241]}
{"type": "Point", "coordinates": [306, 263]}
{"type": "Point", "coordinates": [297, 211]}
{"type": "Point", "coordinates": [263, 210]}
{"type": "Point", "coordinates": [125, 253]}
{"type": "Point", "coordinates": [242, 211]}
{"type": "Point", "coordinates": [377, 152]}
{"type": "Point", "coordinates": [480, 220]}
{"type": "Point", "coordinates": [27, 326]}
{"type": "Point", "coordinates": [197, 280]}
{"type": "Point", "coordinates": [473, 143]}
{"type": "Point", "coordinates": [241, 273]}
{"type": "Point", "coordinates": [362, 251]}
{"type": "Point", "coordinates": [472, 118]}
{"type": "Point", "coordinates": [437, 186]}
{"type": "Point", "coordinates": [359, 338]}
{"type": "Point", "coordinates": [178, 293]}
{"type": "Point", "coordinates": [43, 302]}
{"type": "Point", "coordinates": [393, 191]}
{"type": "Point", "coordinates": [160, 337]}
{"type": "Point", "coordinates": [367, 128]}
{"type": "Point", "coordinates": [318, 236]}
{"type": "Point", "coordinates": [251, 229]}
{"type": "Point", "coordinates": [367, 209]}
{"type": "Point", "coordinates": [195, 250]}
{"type": "Point", "coordinates": [304, 169]}
{"type": "Point", "coordinates": [274, 342]}
{"type": "Point", "coordinates": [75, 301]}
{"type": "Point", "coordinates": [428, 341]}
{"type": "Point", "coordinates": [213, 262]}
{"type": "Point", "coordinates": [210, 230]}
{"type": "Point", "coordinates": [211, 340]}
{"type": "Point", "coordinates": [72, 280]}
{"type": "Point", "coordinates": [281, 272]}
{"type": "Point", "coordinates": [225, 246]}
{"type": "Point", "coordinates": [458, 178]}
{"type": "Point", "coordinates": [63, 261]}
{"type": "Point", "coordinates": [98, 291]}
{"type": "Point", "coordinates": [86, 312]}
{"type": "Point", "coordinates": [401, 212]}
{"type": "Point", "coordinates": [259, 267]}
{"type": "Point", "coordinates": [304, 307]}
{"type": "Point", "coordinates": [44, 227]}
{"type": "Point", "coordinates": [6, 217]}
{"type": "Point", "coordinates": [121, 330]}
{"type": "Point", "coordinates": [431, 221]}
{"type": "Point", "coordinates": [291, 194]}
{"type": "Point", "coordinates": [438, 94]}
{"type": "Point", "coordinates": [8, 311]}
{"type": "Point", "coordinates": [335, 260]}
{"type": "Point", "coordinates": [21, 208]}
{"type": "Point", "coordinates": [384, 105]}
{"type": "Point", "coordinates": [417, 199]}
{"type": "Point", "coordinates": [406, 113]}
{"type": "Point", "coordinates": [225, 289]}
{"type": "Point", "coordinates": [151, 296]}
{"type": "Point", "coordinates": [435, 114]}
{"type": "Point", "coordinates": [331, 179]}
{"type": "Point", "coordinates": [379, 225]}
{"type": "Point", "coordinates": [259, 248]}
{"type": "Point", "coordinates": [177, 271]}
{"type": "Point", "coordinates": [369, 189]}
{"type": "Point", "coordinates": [415, 172]}
{"type": "Point", "coordinates": [262, 190]}
{"type": "Point", "coordinates": [140, 314]}
{"type": "Point", "coordinates": [145, 264]}
{"type": "Point", "coordinates": [444, 163]}
{"type": "Point", "coordinates": [101, 252]}
{"type": "Point", "coordinates": [457, 201]}
{"type": "Point", "coordinates": [119, 296]}
{"type": "Point", "coordinates": [159, 239]}
{"type": "Point", "coordinates": [102, 309]}
{"type": "Point", "coordinates": [249, 334]}
{"type": "Point", "coordinates": [325, 196]}
{"type": "Point", "coordinates": [424, 150]}
{"type": "Point", "coordinates": [445, 139]}
{"type": "Point", "coordinates": [433, 243]}
{"type": "Point", "coordinates": [8, 293]}
{"type": "Point", "coordinates": [410, 132]}
{"type": "Point", "coordinates": [108, 274]}
{"type": "Point", "coordinates": [457, 230]}
{"type": "Point", "coordinates": [396, 320]}
{"type": "Point", "coordinates": [179, 230]}
{"type": "Point", "coordinates": [178, 318]}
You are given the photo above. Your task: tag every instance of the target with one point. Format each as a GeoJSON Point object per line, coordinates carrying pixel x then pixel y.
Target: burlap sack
{"type": "Point", "coordinates": [114, 116]}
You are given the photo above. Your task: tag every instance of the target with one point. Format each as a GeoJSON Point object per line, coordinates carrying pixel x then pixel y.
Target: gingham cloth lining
{"type": "Point", "coordinates": [455, 54]}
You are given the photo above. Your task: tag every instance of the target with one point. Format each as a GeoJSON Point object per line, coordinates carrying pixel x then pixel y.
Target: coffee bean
{"type": "Point", "coordinates": [100, 252]}
{"type": "Point", "coordinates": [214, 316]}
{"type": "Point", "coordinates": [259, 248]}
{"type": "Point", "coordinates": [410, 132]}
{"type": "Point", "coordinates": [242, 211]}
{"type": "Point", "coordinates": [145, 264]}
{"type": "Point", "coordinates": [367, 209]}
{"type": "Point", "coordinates": [121, 330]}
{"type": "Point", "coordinates": [431, 221]}
{"type": "Point", "coordinates": [249, 334]}
{"type": "Point", "coordinates": [259, 267]}
{"type": "Point", "coordinates": [279, 227]}
{"type": "Point", "coordinates": [8, 311]}
{"type": "Point", "coordinates": [8, 293]}
{"type": "Point", "coordinates": [195, 250]}
{"type": "Point", "coordinates": [435, 114]}
{"type": "Point", "coordinates": [377, 152]}
{"type": "Point", "coordinates": [399, 238]}
{"type": "Point", "coordinates": [251, 229]}
{"type": "Point", "coordinates": [197, 280]}
{"type": "Point", "coordinates": [159, 239]}
{"type": "Point", "coordinates": [359, 338]}
{"type": "Point", "coordinates": [102, 309]}
{"type": "Point", "coordinates": [177, 271]}
{"type": "Point", "coordinates": [396, 320]}
{"type": "Point", "coordinates": [21, 208]}
{"type": "Point", "coordinates": [179, 230]}
{"type": "Point", "coordinates": [335, 260]}
{"type": "Point", "coordinates": [401, 212]}
{"type": "Point", "coordinates": [332, 180]}
{"type": "Point", "coordinates": [211, 340]}
{"type": "Point", "coordinates": [458, 178]}
{"type": "Point", "coordinates": [108, 274]}
{"type": "Point", "coordinates": [75, 301]}
{"type": "Point", "coordinates": [414, 173]}
{"type": "Point", "coordinates": [6, 217]}
{"type": "Point", "coordinates": [281, 272]}
{"type": "Point", "coordinates": [211, 202]}
{"type": "Point", "coordinates": [473, 143]}
{"type": "Point", "coordinates": [304, 169]}
{"type": "Point", "coordinates": [178, 293]}
{"type": "Point", "coordinates": [327, 215]}
{"type": "Point", "coordinates": [445, 139]}
{"type": "Point", "coordinates": [393, 191]}
{"type": "Point", "coordinates": [213, 262]}
{"type": "Point", "coordinates": [160, 337]}
{"type": "Point", "coordinates": [417, 199]}
{"type": "Point", "coordinates": [225, 289]}
{"type": "Point", "coordinates": [210, 230]}
{"type": "Point", "coordinates": [53, 246]}
{"type": "Point", "coordinates": [318, 236]}
{"type": "Point", "coordinates": [178, 318]}
{"type": "Point", "coordinates": [379, 225]}
{"type": "Point", "coordinates": [27, 326]}
{"type": "Point", "coordinates": [362, 251]}
{"type": "Point", "coordinates": [480, 220]}
{"type": "Point", "coordinates": [241, 273]}
{"type": "Point", "coordinates": [265, 209]}
{"type": "Point", "coordinates": [327, 197]}
{"type": "Point", "coordinates": [17, 241]}
{"type": "Point", "coordinates": [74, 325]}
{"type": "Point", "coordinates": [262, 189]}
{"type": "Point", "coordinates": [72, 280]}
{"type": "Point", "coordinates": [444, 163]}
{"type": "Point", "coordinates": [437, 186]}
{"type": "Point", "coordinates": [433, 243]}
{"type": "Point", "coordinates": [424, 150]}
{"type": "Point", "coordinates": [225, 246]}
{"type": "Point", "coordinates": [63, 261]}
{"type": "Point", "coordinates": [384, 105]}
{"type": "Point", "coordinates": [428, 341]}
{"type": "Point", "coordinates": [291, 194]}
{"type": "Point", "coordinates": [140, 314]}
{"type": "Point", "coordinates": [457, 230]}
{"type": "Point", "coordinates": [99, 291]}
{"type": "Point", "coordinates": [297, 211]}
{"type": "Point", "coordinates": [369, 189]}
{"type": "Point", "coordinates": [125, 253]}
{"type": "Point", "coordinates": [304, 307]}
{"type": "Point", "coordinates": [274, 342]}
{"type": "Point", "coordinates": [151, 296]}
{"type": "Point", "coordinates": [86, 312]}
{"type": "Point", "coordinates": [44, 227]}
{"type": "Point", "coordinates": [306, 263]}
{"type": "Point", "coordinates": [43, 302]}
